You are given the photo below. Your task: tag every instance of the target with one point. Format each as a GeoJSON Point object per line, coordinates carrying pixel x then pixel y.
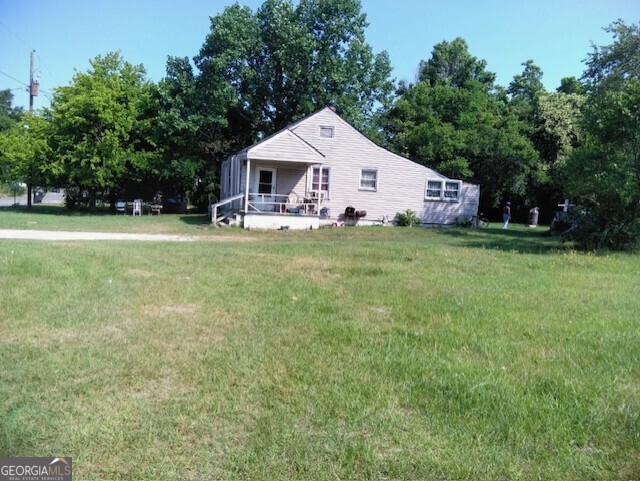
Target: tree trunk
{"type": "Point", "coordinates": [29, 193]}
{"type": "Point", "coordinates": [92, 200]}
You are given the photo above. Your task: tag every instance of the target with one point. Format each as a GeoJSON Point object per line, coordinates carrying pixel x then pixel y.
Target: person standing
{"type": "Point", "coordinates": [506, 214]}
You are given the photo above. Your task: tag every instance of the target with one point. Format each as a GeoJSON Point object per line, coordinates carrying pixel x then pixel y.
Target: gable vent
{"type": "Point", "coordinates": [326, 132]}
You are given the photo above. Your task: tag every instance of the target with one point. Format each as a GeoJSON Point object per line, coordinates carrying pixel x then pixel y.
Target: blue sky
{"type": "Point", "coordinates": [66, 34]}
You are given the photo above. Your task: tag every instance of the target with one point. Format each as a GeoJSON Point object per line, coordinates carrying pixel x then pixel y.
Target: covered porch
{"type": "Point", "coordinates": [272, 184]}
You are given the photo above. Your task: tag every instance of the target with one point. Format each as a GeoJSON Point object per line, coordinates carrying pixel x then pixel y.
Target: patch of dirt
{"type": "Point", "coordinates": [168, 385]}
{"type": "Point", "coordinates": [162, 311]}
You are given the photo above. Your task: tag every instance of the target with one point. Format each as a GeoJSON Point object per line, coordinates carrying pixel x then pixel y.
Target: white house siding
{"type": "Point", "coordinates": [284, 146]}
{"type": "Point", "coordinates": [401, 182]}
{"type": "Point", "coordinates": [288, 177]}
{"type": "Point", "coordinates": [435, 212]}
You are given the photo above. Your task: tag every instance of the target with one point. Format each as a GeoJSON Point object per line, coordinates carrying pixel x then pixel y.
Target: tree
{"type": "Point", "coordinates": [101, 127]}
{"type": "Point", "coordinates": [8, 114]}
{"type": "Point", "coordinates": [526, 87]}
{"type": "Point", "coordinates": [451, 64]}
{"type": "Point", "coordinates": [282, 62]}
{"type": "Point", "coordinates": [571, 85]}
{"type": "Point", "coordinates": [25, 150]}
{"type": "Point", "coordinates": [604, 173]}
{"type": "Point", "coordinates": [455, 121]}
{"type": "Point", "coordinates": [189, 133]}
{"type": "Point", "coordinates": [557, 122]}
{"type": "Point", "coordinates": [525, 90]}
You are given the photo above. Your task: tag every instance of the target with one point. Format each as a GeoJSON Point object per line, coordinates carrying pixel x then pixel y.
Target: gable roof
{"type": "Point", "coordinates": [284, 146]}
{"type": "Point", "coordinates": [331, 110]}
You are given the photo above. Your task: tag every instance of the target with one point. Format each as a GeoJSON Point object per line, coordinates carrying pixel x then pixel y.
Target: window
{"type": "Point", "coordinates": [265, 181]}
{"type": "Point", "coordinates": [447, 190]}
{"type": "Point", "coordinates": [451, 190]}
{"type": "Point", "coordinates": [369, 179]}
{"type": "Point", "coordinates": [434, 189]}
{"type": "Point", "coordinates": [320, 180]}
{"type": "Point", "coordinates": [326, 132]}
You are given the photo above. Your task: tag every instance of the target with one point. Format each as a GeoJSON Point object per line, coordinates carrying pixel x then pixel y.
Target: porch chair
{"type": "Point", "coordinates": [293, 202]}
{"type": "Point", "coordinates": [137, 207]}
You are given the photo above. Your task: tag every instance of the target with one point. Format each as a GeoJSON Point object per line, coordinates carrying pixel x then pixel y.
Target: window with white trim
{"type": "Point", "coordinates": [326, 132]}
{"type": "Point", "coordinates": [451, 190]}
{"type": "Point", "coordinates": [434, 189]}
{"type": "Point", "coordinates": [368, 179]}
{"type": "Point", "coordinates": [320, 180]}
{"type": "Point", "coordinates": [446, 190]}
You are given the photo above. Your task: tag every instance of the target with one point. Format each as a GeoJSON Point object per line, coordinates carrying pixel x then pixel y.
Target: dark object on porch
{"type": "Point", "coordinates": [351, 215]}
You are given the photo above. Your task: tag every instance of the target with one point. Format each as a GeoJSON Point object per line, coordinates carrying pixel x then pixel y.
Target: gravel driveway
{"type": "Point", "coordinates": [87, 236]}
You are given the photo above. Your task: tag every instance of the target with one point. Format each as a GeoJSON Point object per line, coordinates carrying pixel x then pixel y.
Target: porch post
{"type": "Point", "coordinates": [246, 187]}
{"type": "Point", "coordinates": [319, 187]}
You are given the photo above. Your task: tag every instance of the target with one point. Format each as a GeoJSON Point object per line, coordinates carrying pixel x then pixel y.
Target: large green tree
{"type": "Point", "coordinates": [604, 173]}
{"type": "Point", "coordinates": [101, 128]}
{"type": "Point", "coordinates": [275, 65]}
{"type": "Point", "coordinates": [555, 132]}
{"type": "Point", "coordinates": [190, 131]}
{"type": "Point", "coordinates": [455, 120]}
{"type": "Point", "coordinates": [25, 150]}
{"type": "Point", "coordinates": [258, 71]}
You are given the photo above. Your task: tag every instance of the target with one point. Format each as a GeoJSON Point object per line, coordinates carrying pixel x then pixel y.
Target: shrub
{"type": "Point", "coordinates": [407, 218]}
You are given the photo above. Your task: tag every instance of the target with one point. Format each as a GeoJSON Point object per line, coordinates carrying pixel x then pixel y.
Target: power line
{"type": "Point", "coordinates": [47, 93]}
{"type": "Point", "coordinates": [46, 67]}
{"type": "Point", "coordinates": [32, 48]}
{"type": "Point", "coordinates": [13, 78]}
{"type": "Point", "coordinates": [17, 36]}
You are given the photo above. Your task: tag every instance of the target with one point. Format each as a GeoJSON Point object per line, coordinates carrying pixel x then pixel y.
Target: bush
{"type": "Point", "coordinates": [605, 228]}
{"type": "Point", "coordinates": [8, 190]}
{"type": "Point", "coordinates": [407, 218]}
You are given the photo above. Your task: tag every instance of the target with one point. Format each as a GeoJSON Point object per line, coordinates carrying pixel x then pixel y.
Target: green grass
{"type": "Point", "coordinates": [368, 353]}
{"type": "Point", "coordinates": [55, 217]}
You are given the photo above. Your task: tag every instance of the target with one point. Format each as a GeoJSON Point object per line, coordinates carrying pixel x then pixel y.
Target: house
{"type": "Point", "coordinates": [321, 170]}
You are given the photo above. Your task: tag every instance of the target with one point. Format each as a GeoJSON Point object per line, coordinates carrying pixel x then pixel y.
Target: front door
{"type": "Point", "coordinates": [266, 188]}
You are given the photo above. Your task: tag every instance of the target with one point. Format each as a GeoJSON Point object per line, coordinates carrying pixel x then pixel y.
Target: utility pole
{"type": "Point", "coordinates": [33, 92]}
{"type": "Point", "coordinates": [33, 82]}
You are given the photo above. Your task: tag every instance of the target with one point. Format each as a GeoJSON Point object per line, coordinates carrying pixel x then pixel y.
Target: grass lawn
{"type": "Point", "coordinates": [352, 353]}
{"type": "Point", "coordinates": [54, 217]}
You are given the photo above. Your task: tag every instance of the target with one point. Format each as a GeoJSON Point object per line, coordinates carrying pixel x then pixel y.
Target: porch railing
{"type": "Point", "coordinates": [282, 204]}
{"type": "Point", "coordinates": [214, 208]}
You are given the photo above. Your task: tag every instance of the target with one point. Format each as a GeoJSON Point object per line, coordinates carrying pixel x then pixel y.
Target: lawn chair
{"type": "Point", "coordinates": [137, 207]}
{"type": "Point", "coordinates": [121, 207]}
{"type": "Point", "coordinates": [293, 202]}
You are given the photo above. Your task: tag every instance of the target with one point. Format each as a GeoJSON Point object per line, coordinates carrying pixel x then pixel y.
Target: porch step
{"type": "Point", "coordinates": [231, 219]}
